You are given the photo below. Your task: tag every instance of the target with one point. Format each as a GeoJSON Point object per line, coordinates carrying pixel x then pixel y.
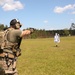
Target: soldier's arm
{"type": "Point", "coordinates": [26, 32]}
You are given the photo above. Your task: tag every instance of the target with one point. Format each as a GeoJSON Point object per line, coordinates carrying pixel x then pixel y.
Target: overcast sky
{"type": "Point", "coordinates": [39, 14]}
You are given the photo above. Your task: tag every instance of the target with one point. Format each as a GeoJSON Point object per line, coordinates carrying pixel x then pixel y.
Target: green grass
{"type": "Point", "coordinates": [41, 57]}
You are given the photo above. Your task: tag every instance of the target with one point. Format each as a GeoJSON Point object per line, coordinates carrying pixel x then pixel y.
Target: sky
{"type": "Point", "coordinates": [39, 14]}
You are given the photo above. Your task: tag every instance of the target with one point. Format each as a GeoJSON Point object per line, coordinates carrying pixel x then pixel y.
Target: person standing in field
{"type": "Point", "coordinates": [14, 36]}
{"type": "Point", "coordinates": [10, 48]}
{"type": "Point", "coordinates": [57, 39]}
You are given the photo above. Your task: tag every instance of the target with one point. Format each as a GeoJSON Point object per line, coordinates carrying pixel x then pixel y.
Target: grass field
{"type": "Point", "coordinates": [41, 57]}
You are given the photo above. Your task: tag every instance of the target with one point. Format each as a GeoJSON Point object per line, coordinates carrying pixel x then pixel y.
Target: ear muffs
{"type": "Point", "coordinates": [17, 25]}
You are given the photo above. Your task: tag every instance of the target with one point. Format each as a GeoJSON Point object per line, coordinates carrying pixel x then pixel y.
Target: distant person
{"type": "Point", "coordinates": [57, 39]}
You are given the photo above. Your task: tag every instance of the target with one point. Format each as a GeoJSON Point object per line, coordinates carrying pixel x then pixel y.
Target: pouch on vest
{"type": "Point", "coordinates": [2, 44]}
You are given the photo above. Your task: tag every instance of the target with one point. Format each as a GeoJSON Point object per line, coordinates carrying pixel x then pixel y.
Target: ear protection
{"type": "Point", "coordinates": [18, 25]}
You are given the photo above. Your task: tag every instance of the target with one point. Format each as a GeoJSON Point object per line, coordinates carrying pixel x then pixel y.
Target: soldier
{"type": "Point", "coordinates": [11, 47]}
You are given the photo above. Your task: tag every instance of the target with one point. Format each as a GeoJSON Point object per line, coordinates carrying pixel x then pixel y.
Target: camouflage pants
{"type": "Point", "coordinates": [5, 70]}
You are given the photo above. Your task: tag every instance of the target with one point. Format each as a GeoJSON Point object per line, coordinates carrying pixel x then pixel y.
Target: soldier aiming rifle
{"type": "Point", "coordinates": [10, 47]}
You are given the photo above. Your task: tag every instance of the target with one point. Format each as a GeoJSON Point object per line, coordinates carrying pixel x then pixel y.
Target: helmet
{"type": "Point", "coordinates": [15, 23]}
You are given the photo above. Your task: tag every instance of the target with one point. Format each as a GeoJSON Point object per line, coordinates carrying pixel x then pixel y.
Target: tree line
{"type": "Point", "coordinates": [50, 33]}
{"type": "Point", "coordinates": [42, 33]}
{"type": "Point", "coordinates": [2, 27]}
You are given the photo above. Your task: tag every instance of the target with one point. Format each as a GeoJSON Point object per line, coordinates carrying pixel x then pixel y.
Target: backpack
{"type": "Point", "coordinates": [5, 45]}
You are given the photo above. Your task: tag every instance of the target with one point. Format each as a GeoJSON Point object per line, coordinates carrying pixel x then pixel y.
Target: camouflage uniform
{"type": "Point", "coordinates": [9, 53]}
{"type": "Point", "coordinates": [10, 47]}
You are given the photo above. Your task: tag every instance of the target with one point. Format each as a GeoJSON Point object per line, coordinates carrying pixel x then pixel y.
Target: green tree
{"type": "Point", "coordinates": [66, 32]}
{"type": "Point", "coordinates": [1, 27]}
